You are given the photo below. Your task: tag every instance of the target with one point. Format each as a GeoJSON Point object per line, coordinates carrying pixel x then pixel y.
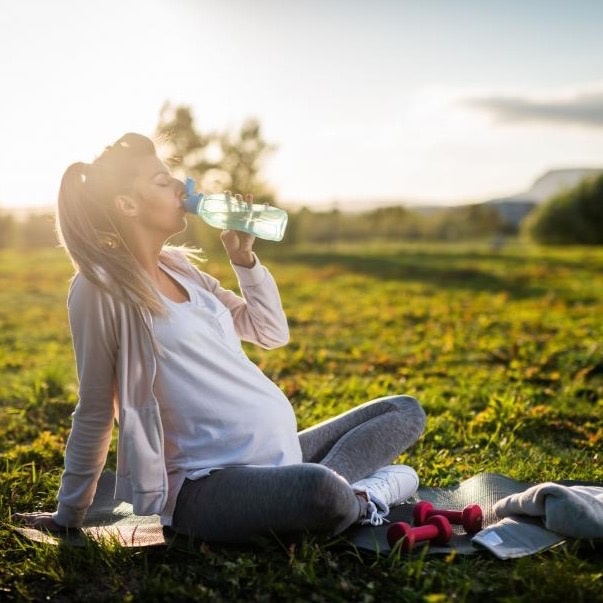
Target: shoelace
{"type": "Point", "coordinates": [373, 517]}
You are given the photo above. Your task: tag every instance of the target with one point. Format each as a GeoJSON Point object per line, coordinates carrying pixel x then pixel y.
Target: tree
{"type": "Point", "coordinates": [217, 161]}
{"type": "Point", "coordinates": [187, 148]}
{"type": "Point", "coordinates": [574, 216]}
{"type": "Point", "coordinates": [242, 157]}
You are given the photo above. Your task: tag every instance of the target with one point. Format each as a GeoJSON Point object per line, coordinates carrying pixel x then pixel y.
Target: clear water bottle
{"type": "Point", "coordinates": [225, 211]}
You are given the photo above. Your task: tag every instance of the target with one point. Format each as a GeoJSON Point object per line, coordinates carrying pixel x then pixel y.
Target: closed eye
{"type": "Point", "coordinates": [162, 179]}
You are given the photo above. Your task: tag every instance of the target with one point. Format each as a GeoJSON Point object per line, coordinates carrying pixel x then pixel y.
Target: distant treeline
{"type": "Point", "coordinates": [35, 230]}
{"type": "Point", "coordinates": [573, 217]}
{"type": "Point", "coordinates": [308, 226]}
{"type": "Point", "coordinates": [397, 223]}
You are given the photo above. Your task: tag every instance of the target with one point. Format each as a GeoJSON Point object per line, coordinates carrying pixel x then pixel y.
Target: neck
{"type": "Point", "coordinates": [146, 250]}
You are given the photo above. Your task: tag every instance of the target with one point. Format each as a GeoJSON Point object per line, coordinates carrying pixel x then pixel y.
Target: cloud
{"type": "Point", "coordinates": [584, 109]}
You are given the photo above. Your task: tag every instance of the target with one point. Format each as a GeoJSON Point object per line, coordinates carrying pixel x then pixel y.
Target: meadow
{"type": "Point", "coordinates": [503, 348]}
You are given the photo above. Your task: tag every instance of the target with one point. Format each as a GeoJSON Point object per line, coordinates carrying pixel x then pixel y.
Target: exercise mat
{"type": "Point", "coordinates": [108, 519]}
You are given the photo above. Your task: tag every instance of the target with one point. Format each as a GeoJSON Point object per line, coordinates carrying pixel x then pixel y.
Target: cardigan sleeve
{"type": "Point", "coordinates": [95, 342]}
{"type": "Point", "coordinates": [258, 315]}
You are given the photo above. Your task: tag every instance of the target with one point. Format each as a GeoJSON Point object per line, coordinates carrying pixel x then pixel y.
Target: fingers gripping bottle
{"type": "Point", "coordinates": [221, 210]}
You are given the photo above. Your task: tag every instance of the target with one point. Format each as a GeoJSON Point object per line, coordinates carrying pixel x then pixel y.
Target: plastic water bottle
{"type": "Point", "coordinates": [225, 211]}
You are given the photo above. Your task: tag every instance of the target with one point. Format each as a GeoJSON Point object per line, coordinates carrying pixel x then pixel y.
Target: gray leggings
{"type": "Point", "coordinates": [237, 504]}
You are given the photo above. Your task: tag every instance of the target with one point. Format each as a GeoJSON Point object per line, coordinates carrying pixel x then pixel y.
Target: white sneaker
{"type": "Point", "coordinates": [389, 486]}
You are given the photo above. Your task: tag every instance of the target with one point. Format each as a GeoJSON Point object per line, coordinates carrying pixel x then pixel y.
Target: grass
{"type": "Point", "coordinates": [504, 350]}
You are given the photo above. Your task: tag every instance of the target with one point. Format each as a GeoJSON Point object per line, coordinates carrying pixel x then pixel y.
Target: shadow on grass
{"type": "Point", "coordinates": [440, 270]}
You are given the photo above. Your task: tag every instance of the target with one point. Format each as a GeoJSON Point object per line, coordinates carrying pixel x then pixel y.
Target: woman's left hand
{"type": "Point", "coordinates": [239, 245]}
{"type": "Point", "coordinates": [39, 521]}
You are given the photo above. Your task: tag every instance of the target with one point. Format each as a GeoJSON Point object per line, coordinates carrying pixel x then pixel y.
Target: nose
{"type": "Point", "coordinates": [179, 188]}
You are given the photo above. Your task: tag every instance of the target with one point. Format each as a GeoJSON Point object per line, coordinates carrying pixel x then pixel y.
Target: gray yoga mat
{"type": "Point", "coordinates": [110, 519]}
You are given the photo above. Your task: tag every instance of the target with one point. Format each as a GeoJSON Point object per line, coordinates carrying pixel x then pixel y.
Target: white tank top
{"type": "Point", "coordinates": [217, 407]}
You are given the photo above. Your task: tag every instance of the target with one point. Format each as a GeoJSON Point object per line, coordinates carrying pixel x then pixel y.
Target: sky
{"type": "Point", "coordinates": [423, 101]}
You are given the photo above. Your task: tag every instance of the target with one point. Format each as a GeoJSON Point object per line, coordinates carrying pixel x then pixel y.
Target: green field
{"type": "Point", "coordinates": [504, 350]}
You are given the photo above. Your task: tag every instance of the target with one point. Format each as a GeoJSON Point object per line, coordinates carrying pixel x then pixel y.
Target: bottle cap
{"type": "Point", "coordinates": [191, 199]}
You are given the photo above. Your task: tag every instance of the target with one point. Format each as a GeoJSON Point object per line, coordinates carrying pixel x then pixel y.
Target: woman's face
{"type": "Point", "coordinates": [158, 197]}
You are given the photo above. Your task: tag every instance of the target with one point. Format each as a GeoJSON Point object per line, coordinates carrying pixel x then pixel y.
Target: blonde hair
{"type": "Point", "coordinates": [88, 228]}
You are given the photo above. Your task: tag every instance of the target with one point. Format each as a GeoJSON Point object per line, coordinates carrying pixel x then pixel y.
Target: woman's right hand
{"type": "Point", "coordinates": [39, 521]}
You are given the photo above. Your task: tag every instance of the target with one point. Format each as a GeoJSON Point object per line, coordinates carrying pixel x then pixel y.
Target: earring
{"type": "Point", "coordinates": [108, 240]}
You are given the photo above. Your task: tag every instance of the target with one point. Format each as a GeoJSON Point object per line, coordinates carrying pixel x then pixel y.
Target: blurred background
{"type": "Point", "coordinates": [446, 120]}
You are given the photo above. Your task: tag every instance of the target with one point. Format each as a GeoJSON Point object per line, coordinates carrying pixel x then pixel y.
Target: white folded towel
{"type": "Point", "coordinates": [574, 511]}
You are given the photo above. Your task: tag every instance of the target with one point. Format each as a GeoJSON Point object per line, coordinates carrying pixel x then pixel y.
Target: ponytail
{"type": "Point", "coordinates": [88, 230]}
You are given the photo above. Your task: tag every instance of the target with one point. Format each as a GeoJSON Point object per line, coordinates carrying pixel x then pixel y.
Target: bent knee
{"type": "Point", "coordinates": [328, 496]}
{"type": "Point", "coordinates": [410, 411]}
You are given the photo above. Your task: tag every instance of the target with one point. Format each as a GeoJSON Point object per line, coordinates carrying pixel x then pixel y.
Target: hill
{"type": "Point", "coordinates": [515, 208]}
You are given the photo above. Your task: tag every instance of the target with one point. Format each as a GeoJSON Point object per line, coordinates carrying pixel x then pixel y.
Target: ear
{"type": "Point", "coordinates": [126, 206]}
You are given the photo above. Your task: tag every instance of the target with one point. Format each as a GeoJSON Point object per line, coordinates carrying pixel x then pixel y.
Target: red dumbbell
{"type": "Point", "coordinates": [437, 529]}
{"type": "Point", "coordinates": [470, 517]}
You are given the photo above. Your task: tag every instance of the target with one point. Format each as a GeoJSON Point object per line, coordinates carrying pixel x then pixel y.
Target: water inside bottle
{"type": "Point", "coordinates": [261, 220]}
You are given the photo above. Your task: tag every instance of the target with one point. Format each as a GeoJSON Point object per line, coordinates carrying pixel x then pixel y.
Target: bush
{"type": "Point", "coordinates": [574, 216]}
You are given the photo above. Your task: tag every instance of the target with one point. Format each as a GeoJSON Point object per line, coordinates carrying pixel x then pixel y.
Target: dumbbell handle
{"type": "Point", "coordinates": [449, 514]}
{"type": "Point", "coordinates": [437, 530]}
{"type": "Point", "coordinates": [470, 517]}
{"type": "Point", "coordinates": [426, 532]}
